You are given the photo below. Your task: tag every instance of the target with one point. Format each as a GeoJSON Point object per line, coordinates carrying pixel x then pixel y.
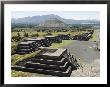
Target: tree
{"type": "Point", "coordinates": [49, 33]}
{"type": "Point", "coordinates": [35, 35]}
{"type": "Point", "coordinates": [18, 34]}
{"type": "Point", "coordinates": [16, 38]}
{"type": "Point", "coordinates": [26, 34]}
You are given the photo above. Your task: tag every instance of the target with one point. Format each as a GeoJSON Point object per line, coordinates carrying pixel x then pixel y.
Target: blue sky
{"type": "Point", "coordinates": [77, 15]}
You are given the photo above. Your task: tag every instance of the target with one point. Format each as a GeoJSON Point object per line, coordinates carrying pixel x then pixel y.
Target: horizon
{"type": "Point", "coordinates": [74, 15]}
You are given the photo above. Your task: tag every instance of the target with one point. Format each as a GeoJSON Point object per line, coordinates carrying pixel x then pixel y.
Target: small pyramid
{"type": "Point", "coordinates": [53, 22]}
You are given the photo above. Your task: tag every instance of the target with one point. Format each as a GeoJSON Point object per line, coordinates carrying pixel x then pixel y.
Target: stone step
{"type": "Point", "coordinates": [25, 50]}
{"type": "Point", "coordinates": [46, 45]}
{"type": "Point", "coordinates": [66, 73]}
{"type": "Point", "coordinates": [22, 52]}
{"type": "Point", "coordinates": [47, 67]}
{"type": "Point", "coordinates": [26, 47]}
{"type": "Point", "coordinates": [55, 58]}
{"type": "Point", "coordinates": [50, 62]}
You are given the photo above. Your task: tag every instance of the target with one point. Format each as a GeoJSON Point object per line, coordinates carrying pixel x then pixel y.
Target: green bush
{"type": "Point", "coordinates": [13, 49]}
{"type": "Point", "coordinates": [35, 35]}
{"type": "Point", "coordinates": [16, 38]}
{"type": "Point", "coordinates": [26, 34]}
{"type": "Point", "coordinates": [49, 33]}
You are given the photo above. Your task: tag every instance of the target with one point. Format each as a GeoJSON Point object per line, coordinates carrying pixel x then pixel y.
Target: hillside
{"type": "Point", "coordinates": [35, 20]}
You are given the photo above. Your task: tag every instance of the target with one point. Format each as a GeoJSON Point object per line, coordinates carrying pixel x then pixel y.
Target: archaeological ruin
{"type": "Point", "coordinates": [55, 62]}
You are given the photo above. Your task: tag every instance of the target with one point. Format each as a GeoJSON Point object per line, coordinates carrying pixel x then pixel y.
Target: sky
{"type": "Point", "coordinates": [76, 15]}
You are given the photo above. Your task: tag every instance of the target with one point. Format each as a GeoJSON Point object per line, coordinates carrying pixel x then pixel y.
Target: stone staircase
{"type": "Point", "coordinates": [31, 44]}
{"type": "Point", "coordinates": [26, 47]}
{"type": "Point", "coordinates": [55, 66]}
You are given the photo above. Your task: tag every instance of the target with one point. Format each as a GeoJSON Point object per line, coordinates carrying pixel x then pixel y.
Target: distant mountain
{"type": "Point", "coordinates": [35, 20]}
{"type": "Point", "coordinates": [53, 22]}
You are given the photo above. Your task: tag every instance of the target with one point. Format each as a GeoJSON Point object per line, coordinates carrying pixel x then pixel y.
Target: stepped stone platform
{"type": "Point", "coordinates": [32, 44]}
{"type": "Point", "coordinates": [49, 61]}
{"type": "Point", "coordinates": [26, 47]}
{"type": "Point", "coordinates": [83, 37]}
{"type": "Point", "coordinates": [54, 39]}
{"type": "Point", "coordinates": [64, 37]}
{"type": "Point", "coordinates": [39, 41]}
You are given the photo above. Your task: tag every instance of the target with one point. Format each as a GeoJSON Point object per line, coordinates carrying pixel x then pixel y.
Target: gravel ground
{"type": "Point", "coordinates": [88, 70]}
{"type": "Point", "coordinates": [87, 56]}
{"type": "Point", "coordinates": [85, 50]}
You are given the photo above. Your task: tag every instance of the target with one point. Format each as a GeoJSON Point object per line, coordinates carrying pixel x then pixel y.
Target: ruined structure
{"type": "Point", "coordinates": [26, 47]}
{"type": "Point", "coordinates": [53, 39]}
{"type": "Point", "coordinates": [39, 41]}
{"type": "Point", "coordinates": [56, 62]}
{"type": "Point", "coordinates": [64, 37]}
{"type": "Point", "coordinates": [83, 37]}
{"type": "Point", "coordinates": [32, 44]}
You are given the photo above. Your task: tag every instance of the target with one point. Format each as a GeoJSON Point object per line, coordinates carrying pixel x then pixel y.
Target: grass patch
{"type": "Point", "coordinates": [95, 35]}
{"type": "Point", "coordinates": [15, 73]}
{"type": "Point", "coordinates": [59, 45]}
{"type": "Point", "coordinates": [17, 57]}
{"type": "Point", "coordinates": [41, 34]}
{"type": "Point", "coordinates": [20, 74]}
{"type": "Point", "coordinates": [68, 32]}
{"type": "Point", "coordinates": [29, 33]}
{"type": "Point", "coordinates": [93, 38]}
{"type": "Point", "coordinates": [13, 47]}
